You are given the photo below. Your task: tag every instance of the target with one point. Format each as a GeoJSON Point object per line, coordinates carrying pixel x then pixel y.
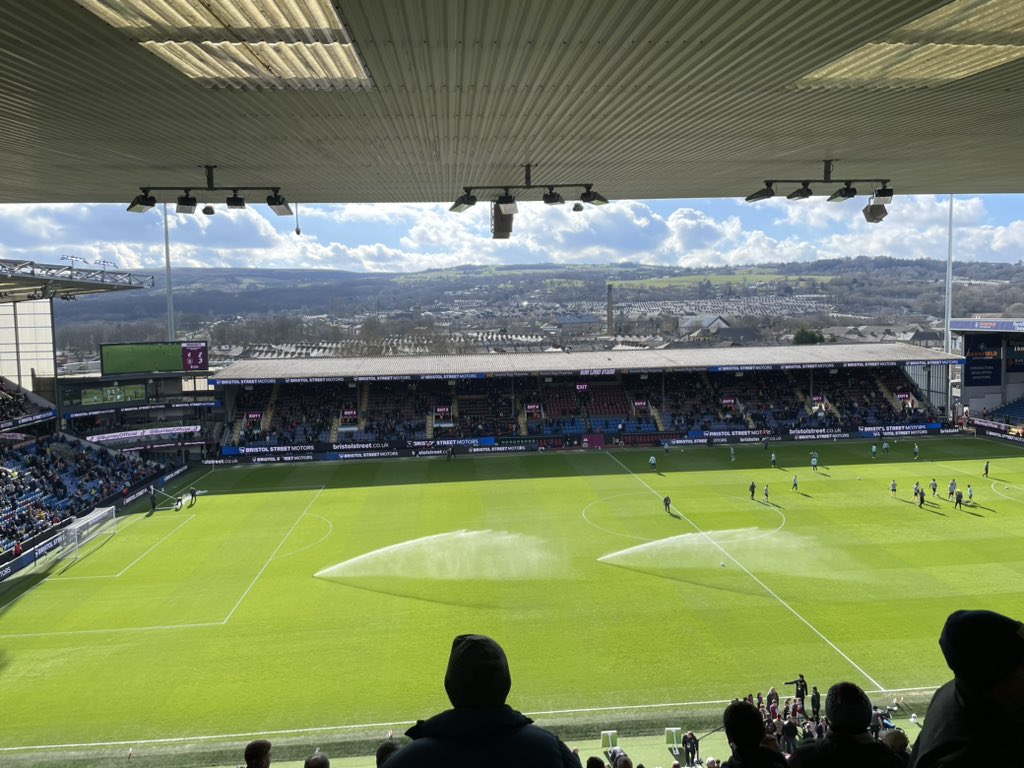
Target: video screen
{"type": "Point", "coordinates": [158, 357]}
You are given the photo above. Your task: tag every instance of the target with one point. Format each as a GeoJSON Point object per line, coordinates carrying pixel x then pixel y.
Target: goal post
{"type": "Point", "coordinates": [99, 522]}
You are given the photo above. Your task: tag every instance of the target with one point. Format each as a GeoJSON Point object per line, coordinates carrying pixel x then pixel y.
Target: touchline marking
{"type": "Point", "coordinates": [115, 629]}
{"type": "Point", "coordinates": [177, 484]}
{"type": "Point", "coordinates": [356, 726]}
{"type": "Point", "coordinates": [971, 474]}
{"type": "Point", "coordinates": [743, 568]}
{"type": "Point", "coordinates": [233, 491]}
{"type": "Point", "coordinates": [272, 555]}
{"type": "Point", "coordinates": [133, 562]}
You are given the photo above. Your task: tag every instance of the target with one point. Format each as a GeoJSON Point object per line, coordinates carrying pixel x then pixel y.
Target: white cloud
{"type": "Point", "coordinates": [401, 237]}
{"type": "Point", "coordinates": [815, 213]}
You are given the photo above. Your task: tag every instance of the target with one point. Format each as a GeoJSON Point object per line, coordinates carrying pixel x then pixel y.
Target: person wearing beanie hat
{"type": "Point", "coordinates": [976, 718]}
{"type": "Point", "coordinates": [480, 729]}
{"type": "Point", "coordinates": [848, 743]}
{"type": "Point", "coordinates": [848, 709]}
{"type": "Point", "coordinates": [478, 676]}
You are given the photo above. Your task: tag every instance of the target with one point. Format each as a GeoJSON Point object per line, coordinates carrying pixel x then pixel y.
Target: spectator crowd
{"type": "Point", "coordinates": [638, 405]}
{"type": "Point", "coordinates": [972, 721]}
{"type": "Point", "coordinates": [46, 480]}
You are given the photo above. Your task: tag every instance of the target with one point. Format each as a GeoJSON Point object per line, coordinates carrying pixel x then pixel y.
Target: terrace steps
{"type": "Point", "coordinates": [520, 409]}
{"type": "Point", "coordinates": [657, 416]}
{"type": "Point", "coordinates": [364, 406]}
{"type": "Point", "coordinates": [268, 413]}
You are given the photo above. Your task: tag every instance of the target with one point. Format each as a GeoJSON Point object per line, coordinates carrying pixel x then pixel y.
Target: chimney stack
{"type": "Point", "coordinates": [611, 330]}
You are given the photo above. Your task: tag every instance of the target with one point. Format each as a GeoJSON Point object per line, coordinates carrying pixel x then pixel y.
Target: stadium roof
{"type": "Point", "coordinates": [30, 281]}
{"type": "Point", "coordinates": [578, 363]}
{"type": "Point", "coordinates": [411, 100]}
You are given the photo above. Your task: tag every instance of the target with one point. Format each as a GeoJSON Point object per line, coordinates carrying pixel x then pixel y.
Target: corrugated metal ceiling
{"type": "Point", "coordinates": [645, 98]}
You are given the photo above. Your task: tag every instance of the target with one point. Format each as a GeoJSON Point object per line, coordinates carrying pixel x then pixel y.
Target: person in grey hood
{"type": "Point", "coordinates": [480, 729]}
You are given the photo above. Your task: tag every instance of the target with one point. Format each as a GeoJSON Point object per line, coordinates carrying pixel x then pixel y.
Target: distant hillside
{"type": "Point", "coordinates": [859, 285]}
{"type": "Point", "coordinates": [230, 292]}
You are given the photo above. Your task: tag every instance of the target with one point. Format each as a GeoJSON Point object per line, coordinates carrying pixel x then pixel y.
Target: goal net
{"type": "Point", "coordinates": [100, 521]}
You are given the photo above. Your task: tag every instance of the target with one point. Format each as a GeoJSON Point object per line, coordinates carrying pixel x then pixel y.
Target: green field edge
{"type": "Point", "coordinates": [193, 750]}
{"type": "Point", "coordinates": [358, 741]}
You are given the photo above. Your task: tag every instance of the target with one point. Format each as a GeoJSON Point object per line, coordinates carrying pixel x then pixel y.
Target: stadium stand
{"type": "Point", "coordinates": [398, 409]}
{"type": "Point", "coordinates": [485, 407]}
{"type": "Point", "coordinates": [692, 402]}
{"type": "Point", "coordinates": [1011, 413]}
{"type": "Point", "coordinates": [50, 479]}
{"type": "Point", "coordinates": [629, 409]}
{"type": "Point", "coordinates": [298, 416]}
{"type": "Point", "coordinates": [250, 411]}
{"type": "Point", "coordinates": [14, 403]}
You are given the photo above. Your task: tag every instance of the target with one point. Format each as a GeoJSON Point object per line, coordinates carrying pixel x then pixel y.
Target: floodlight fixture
{"type": "Point", "coordinates": [234, 201]}
{"type": "Point", "coordinates": [761, 194]}
{"type": "Point", "coordinates": [553, 198]}
{"type": "Point", "coordinates": [501, 222]}
{"type": "Point", "coordinates": [801, 193]}
{"type": "Point", "coordinates": [142, 203]}
{"type": "Point", "coordinates": [507, 203]}
{"type": "Point", "coordinates": [845, 192]}
{"type": "Point", "coordinates": [277, 203]}
{"type": "Point", "coordinates": [504, 205]}
{"type": "Point", "coordinates": [592, 197]}
{"type": "Point", "coordinates": [464, 202]}
{"type": "Point", "coordinates": [186, 203]}
{"type": "Point", "coordinates": [874, 212]}
{"type": "Point", "coordinates": [883, 194]}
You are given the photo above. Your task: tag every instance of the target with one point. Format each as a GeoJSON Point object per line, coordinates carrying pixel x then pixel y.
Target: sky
{"type": "Point", "coordinates": [412, 237]}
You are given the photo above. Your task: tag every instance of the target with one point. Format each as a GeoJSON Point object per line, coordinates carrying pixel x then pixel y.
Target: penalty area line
{"type": "Point", "coordinates": [747, 571]}
{"type": "Point", "coordinates": [391, 723]}
{"type": "Point", "coordinates": [133, 562]}
{"type": "Point", "coordinates": [72, 632]}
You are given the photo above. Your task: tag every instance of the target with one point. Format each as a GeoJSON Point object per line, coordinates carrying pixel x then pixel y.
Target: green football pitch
{"type": "Point", "coordinates": [325, 596]}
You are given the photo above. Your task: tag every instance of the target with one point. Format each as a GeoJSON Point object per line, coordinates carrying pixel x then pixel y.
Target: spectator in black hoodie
{"type": "Point", "coordinates": [480, 729]}
{"type": "Point", "coordinates": [976, 719]}
{"type": "Point", "coordinates": [848, 743]}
